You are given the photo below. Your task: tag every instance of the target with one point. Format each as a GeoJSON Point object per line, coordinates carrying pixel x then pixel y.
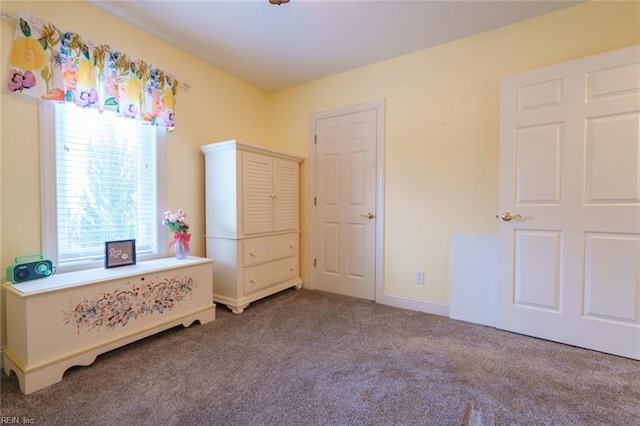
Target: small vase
{"type": "Point", "coordinates": [181, 248]}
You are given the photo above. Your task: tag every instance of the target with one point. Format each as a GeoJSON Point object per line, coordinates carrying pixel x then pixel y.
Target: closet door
{"type": "Point", "coordinates": [257, 194]}
{"type": "Point", "coordinates": [285, 189]}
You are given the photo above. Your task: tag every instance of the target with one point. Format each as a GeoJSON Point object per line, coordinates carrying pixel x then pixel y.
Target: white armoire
{"type": "Point", "coordinates": [252, 221]}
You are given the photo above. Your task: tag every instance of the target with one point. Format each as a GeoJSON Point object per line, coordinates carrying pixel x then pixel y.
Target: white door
{"type": "Point", "coordinates": [569, 259]}
{"type": "Point", "coordinates": [345, 204]}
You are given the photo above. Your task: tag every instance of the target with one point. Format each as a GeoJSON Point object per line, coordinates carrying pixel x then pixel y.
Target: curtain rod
{"type": "Point", "coordinates": [14, 17]}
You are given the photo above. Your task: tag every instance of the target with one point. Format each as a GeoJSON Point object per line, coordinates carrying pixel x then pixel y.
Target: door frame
{"type": "Point", "coordinates": [379, 107]}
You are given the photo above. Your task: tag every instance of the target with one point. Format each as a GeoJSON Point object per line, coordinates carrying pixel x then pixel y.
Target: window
{"type": "Point", "coordinates": [100, 183]}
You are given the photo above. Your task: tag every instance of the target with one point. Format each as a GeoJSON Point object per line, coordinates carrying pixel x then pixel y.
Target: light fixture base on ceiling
{"type": "Point", "coordinates": [278, 2]}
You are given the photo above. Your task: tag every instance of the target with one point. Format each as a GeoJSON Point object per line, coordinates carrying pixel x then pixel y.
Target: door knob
{"type": "Point", "coordinates": [369, 215]}
{"type": "Point", "coordinates": [506, 216]}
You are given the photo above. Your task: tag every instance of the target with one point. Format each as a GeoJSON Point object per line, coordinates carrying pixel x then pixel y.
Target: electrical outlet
{"type": "Point", "coordinates": [419, 277]}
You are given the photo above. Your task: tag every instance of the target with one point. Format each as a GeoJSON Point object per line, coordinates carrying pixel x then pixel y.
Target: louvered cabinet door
{"type": "Point", "coordinates": [257, 194]}
{"type": "Point", "coordinates": [285, 201]}
{"type": "Point", "coordinates": [269, 194]}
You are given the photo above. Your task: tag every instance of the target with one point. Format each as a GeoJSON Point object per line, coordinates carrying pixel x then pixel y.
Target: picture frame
{"type": "Point", "coordinates": [119, 253]}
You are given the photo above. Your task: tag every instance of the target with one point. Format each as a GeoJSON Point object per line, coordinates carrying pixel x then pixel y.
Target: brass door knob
{"type": "Point", "coordinates": [506, 216]}
{"type": "Point", "coordinates": [369, 215]}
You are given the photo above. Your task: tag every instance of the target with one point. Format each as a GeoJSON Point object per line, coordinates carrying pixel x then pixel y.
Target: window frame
{"type": "Point", "coordinates": [49, 201]}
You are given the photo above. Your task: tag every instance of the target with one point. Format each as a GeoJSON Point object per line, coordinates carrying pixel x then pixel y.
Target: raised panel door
{"type": "Point", "coordinates": [570, 174]}
{"type": "Point", "coordinates": [346, 176]}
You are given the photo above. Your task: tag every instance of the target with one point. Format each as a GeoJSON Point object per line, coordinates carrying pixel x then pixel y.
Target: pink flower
{"type": "Point", "coordinates": [19, 81]}
{"type": "Point", "coordinates": [167, 117]}
{"type": "Point", "coordinates": [86, 99]}
{"type": "Point", "coordinates": [128, 108]}
{"type": "Point", "coordinates": [158, 103]}
{"type": "Point", "coordinates": [111, 88]}
{"type": "Point", "coordinates": [69, 76]}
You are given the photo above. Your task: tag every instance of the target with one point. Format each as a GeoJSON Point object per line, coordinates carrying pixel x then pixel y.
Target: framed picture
{"type": "Point", "coordinates": [119, 253]}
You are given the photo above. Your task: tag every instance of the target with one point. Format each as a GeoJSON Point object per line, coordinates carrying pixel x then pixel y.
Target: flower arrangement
{"type": "Point", "coordinates": [178, 224]}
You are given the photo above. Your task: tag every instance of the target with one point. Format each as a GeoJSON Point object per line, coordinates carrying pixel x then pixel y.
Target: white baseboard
{"type": "Point", "coordinates": [404, 302]}
{"type": "Point", "coordinates": [414, 304]}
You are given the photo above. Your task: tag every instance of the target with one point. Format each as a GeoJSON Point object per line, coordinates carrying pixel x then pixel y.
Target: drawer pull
{"type": "Point", "coordinates": [291, 246]}
{"type": "Point", "coordinates": [252, 280]}
{"type": "Point", "coordinates": [291, 268]}
{"type": "Point", "coordinates": [252, 253]}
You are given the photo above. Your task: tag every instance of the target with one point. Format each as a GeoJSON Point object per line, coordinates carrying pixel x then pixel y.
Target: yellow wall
{"type": "Point", "coordinates": [441, 127]}
{"type": "Point", "coordinates": [218, 106]}
{"type": "Point", "coordinates": [441, 139]}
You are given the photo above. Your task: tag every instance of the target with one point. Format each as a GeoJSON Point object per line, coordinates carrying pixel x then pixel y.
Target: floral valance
{"type": "Point", "coordinates": [59, 65]}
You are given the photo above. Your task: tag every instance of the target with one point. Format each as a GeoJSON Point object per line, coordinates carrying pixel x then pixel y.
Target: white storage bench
{"type": "Point", "coordinates": [69, 319]}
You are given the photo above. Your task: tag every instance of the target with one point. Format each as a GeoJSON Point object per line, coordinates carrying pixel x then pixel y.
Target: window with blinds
{"type": "Point", "coordinates": [105, 184]}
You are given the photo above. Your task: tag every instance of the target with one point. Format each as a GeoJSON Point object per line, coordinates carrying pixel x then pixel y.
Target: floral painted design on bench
{"type": "Point", "coordinates": [118, 308]}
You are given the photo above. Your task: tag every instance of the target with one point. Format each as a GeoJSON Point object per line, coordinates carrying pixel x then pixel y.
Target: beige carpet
{"type": "Point", "coordinates": [313, 358]}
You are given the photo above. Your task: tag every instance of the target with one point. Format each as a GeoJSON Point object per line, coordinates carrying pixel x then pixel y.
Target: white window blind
{"type": "Point", "coordinates": [106, 184]}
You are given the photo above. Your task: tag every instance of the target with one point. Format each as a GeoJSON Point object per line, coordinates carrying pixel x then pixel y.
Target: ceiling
{"type": "Point", "coordinates": [275, 47]}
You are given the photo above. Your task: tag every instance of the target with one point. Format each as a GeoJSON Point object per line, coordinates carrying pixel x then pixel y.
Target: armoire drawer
{"type": "Point", "coordinates": [267, 249]}
{"type": "Point", "coordinates": [265, 275]}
